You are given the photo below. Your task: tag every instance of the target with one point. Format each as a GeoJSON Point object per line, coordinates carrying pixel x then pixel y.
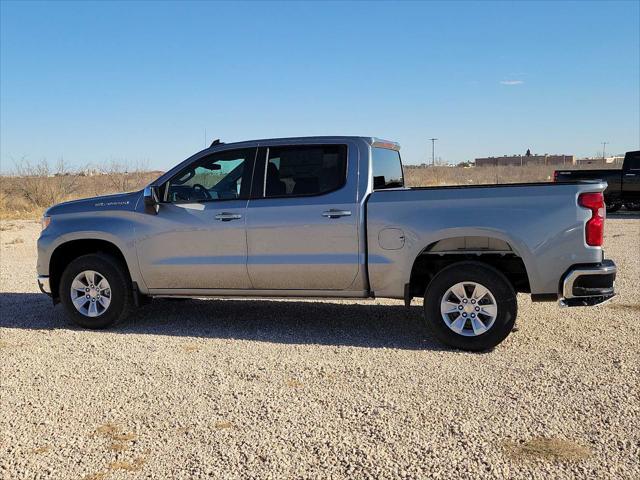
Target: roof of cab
{"type": "Point", "coordinates": [373, 141]}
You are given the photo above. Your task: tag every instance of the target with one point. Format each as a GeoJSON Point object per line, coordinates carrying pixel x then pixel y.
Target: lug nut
{"type": "Point", "coordinates": [93, 299]}
{"type": "Point", "coordinates": [460, 307]}
{"type": "Point", "coordinates": [87, 296]}
{"type": "Point", "coordinates": [86, 289]}
{"type": "Point", "coordinates": [464, 301]}
{"type": "Point", "coordinates": [473, 301]}
{"type": "Point", "coordinates": [473, 315]}
{"type": "Point", "coordinates": [477, 309]}
{"type": "Point", "coordinates": [464, 314]}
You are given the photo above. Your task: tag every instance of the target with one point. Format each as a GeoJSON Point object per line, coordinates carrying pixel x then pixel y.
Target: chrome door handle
{"type": "Point", "coordinates": [336, 213]}
{"type": "Point", "coordinates": [226, 216]}
{"type": "Point", "coordinates": [629, 174]}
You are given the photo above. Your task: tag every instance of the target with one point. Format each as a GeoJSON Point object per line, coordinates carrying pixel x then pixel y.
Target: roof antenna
{"type": "Point", "coordinates": [215, 142]}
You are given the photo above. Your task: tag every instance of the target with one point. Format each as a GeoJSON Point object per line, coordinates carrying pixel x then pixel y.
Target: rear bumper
{"type": "Point", "coordinates": [586, 285]}
{"type": "Point", "coordinates": [43, 284]}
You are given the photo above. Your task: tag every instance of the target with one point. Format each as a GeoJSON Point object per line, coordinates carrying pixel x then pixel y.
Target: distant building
{"type": "Point", "coordinates": [90, 172]}
{"type": "Point", "coordinates": [525, 160]}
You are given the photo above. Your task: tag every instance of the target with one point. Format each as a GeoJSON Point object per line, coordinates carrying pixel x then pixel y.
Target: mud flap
{"type": "Point", "coordinates": [407, 295]}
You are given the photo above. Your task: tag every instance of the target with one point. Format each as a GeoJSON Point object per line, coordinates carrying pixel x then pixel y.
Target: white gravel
{"type": "Point", "coordinates": [295, 389]}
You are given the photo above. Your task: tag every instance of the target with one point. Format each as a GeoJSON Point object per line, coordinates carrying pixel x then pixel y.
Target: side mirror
{"type": "Point", "coordinates": [151, 199]}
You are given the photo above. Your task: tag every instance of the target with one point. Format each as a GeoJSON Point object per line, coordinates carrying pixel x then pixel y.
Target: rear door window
{"type": "Point", "coordinates": [305, 170]}
{"type": "Point", "coordinates": [387, 169]}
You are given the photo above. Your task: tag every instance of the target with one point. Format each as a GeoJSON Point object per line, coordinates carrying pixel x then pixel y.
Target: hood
{"type": "Point", "coordinates": [119, 201]}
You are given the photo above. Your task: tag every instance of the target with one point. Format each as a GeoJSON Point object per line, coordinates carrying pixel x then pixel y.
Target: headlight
{"type": "Point", "coordinates": [45, 221]}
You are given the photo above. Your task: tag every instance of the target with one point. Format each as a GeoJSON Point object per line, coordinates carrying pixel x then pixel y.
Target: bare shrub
{"type": "Point", "coordinates": [33, 187]}
{"type": "Point", "coordinates": [125, 177]}
{"type": "Point", "coordinates": [4, 198]}
{"type": "Point", "coordinates": [43, 186]}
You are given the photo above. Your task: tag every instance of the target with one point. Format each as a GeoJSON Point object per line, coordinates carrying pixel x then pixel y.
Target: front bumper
{"type": "Point", "coordinates": [586, 285]}
{"type": "Point", "coordinates": [43, 283]}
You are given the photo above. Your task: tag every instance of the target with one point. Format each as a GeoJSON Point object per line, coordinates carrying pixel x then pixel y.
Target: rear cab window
{"type": "Point", "coordinates": [386, 168]}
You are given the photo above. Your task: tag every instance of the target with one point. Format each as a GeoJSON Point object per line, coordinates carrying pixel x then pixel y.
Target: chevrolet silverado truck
{"type": "Point", "coordinates": [328, 217]}
{"type": "Point", "coordinates": [623, 186]}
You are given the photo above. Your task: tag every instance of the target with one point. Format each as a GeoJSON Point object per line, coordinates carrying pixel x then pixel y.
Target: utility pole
{"type": "Point", "coordinates": [433, 151]}
{"type": "Point", "coordinates": [604, 145]}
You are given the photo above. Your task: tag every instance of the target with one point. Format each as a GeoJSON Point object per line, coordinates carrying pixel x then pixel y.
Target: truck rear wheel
{"type": "Point", "coordinates": [470, 306]}
{"type": "Point", "coordinates": [96, 291]}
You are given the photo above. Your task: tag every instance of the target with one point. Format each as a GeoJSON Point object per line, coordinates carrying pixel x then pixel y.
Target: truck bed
{"type": "Point", "coordinates": [540, 222]}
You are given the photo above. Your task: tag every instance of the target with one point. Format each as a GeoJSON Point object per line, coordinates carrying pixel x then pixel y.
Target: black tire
{"type": "Point", "coordinates": [632, 206]}
{"type": "Point", "coordinates": [613, 207]}
{"type": "Point", "coordinates": [491, 279]}
{"type": "Point", "coordinates": [121, 290]}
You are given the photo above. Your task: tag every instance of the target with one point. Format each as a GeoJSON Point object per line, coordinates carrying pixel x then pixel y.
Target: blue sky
{"type": "Point", "coordinates": [91, 82]}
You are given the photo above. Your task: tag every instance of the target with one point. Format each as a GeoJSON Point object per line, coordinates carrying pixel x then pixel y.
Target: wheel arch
{"type": "Point", "coordinates": [66, 252]}
{"type": "Point", "coordinates": [491, 250]}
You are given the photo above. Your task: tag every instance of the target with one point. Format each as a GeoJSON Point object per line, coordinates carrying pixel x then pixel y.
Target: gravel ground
{"type": "Point", "coordinates": [317, 389]}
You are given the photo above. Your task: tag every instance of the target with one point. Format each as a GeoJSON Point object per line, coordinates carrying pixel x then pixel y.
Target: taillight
{"type": "Point", "coordinates": [594, 229]}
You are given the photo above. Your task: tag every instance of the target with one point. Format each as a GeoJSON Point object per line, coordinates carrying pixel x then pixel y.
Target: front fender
{"type": "Point", "coordinates": [118, 229]}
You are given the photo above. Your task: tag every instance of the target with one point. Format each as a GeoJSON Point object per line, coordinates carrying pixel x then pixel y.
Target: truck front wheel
{"type": "Point", "coordinates": [470, 306]}
{"type": "Point", "coordinates": [96, 291]}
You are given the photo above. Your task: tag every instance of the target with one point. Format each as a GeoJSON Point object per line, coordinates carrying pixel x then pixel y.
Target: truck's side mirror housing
{"type": "Point", "coordinates": [151, 199]}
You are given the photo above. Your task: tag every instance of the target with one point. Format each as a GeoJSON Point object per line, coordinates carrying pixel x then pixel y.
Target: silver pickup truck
{"type": "Point", "coordinates": [328, 217]}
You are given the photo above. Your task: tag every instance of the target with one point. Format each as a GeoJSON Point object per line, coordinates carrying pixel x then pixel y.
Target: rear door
{"type": "Point", "coordinates": [302, 218]}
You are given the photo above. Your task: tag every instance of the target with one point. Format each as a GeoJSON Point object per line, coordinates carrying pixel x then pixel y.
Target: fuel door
{"type": "Point", "coordinates": [391, 239]}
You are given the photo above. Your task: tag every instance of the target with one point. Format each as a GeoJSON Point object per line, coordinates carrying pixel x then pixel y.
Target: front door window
{"type": "Point", "coordinates": [217, 177]}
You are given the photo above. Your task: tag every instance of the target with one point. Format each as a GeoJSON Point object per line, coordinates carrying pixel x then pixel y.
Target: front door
{"type": "Point", "coordinates": [302, 225]}
{"type": "Point", "coordinates": [198, 240]}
